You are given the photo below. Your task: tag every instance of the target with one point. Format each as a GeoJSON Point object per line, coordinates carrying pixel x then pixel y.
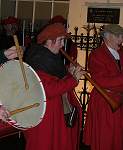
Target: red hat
{"type": "Point", "coordinates": [51, 32]}
{"type": "Point", "coordinates": [58, 19]}
{"type": "Point", "coordinates": [9, 20]}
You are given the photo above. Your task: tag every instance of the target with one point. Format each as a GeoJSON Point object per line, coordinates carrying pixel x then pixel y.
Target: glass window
{"type": "Point", "coordinates": [44, 10]}
{"type": "Point", "coordinates": [7, 8]}
{"type": "Point", "coordinates": [23, 6]}
{"type": "Point", "coordinates": [61, 9]}
{"type": "Point", "coordinates": [42, 14]}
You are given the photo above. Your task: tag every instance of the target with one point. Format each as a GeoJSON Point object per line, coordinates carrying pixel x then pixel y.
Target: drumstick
{"type": "Point", "coordinates": [23, 109]}
{"type": "Point", "coordinates": [113, 104]}
{"type": "Point", "coordinates": [21, 61]}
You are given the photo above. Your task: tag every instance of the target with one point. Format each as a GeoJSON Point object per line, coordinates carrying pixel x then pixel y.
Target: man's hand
{"type": "Point", "coordinates": [4, 114]}
{"type": "Point", "coordinates": [77, 71]}
{"type": "Point", "coordinates": [11, 53]}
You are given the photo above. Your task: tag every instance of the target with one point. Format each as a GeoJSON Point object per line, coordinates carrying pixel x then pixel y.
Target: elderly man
{"type": "Point", "coordinates": [103, 128]}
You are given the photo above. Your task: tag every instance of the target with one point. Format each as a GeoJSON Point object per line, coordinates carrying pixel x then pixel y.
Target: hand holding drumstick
{"type": "Point", "coordinates": [4, 114]}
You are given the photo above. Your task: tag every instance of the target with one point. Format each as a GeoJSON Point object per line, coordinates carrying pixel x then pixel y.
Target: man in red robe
{"type": "Point", "coordinates": [53, 133]}
{"type": "Point", "coordinates": [103, 128]}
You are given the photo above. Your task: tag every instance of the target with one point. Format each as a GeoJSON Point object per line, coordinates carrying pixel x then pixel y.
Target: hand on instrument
{"type": "Point", "coordinates": [4, 114]}
{"type": "Point", "coordinates": [11, 53]}
{"type": "Point", "coordinates": [77, 71]}
{"type": "Point", "coordinates": [71, 68]}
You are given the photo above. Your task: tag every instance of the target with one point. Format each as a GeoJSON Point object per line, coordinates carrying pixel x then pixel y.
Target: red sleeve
{"type": "Point", "coordinates": [54, 86]}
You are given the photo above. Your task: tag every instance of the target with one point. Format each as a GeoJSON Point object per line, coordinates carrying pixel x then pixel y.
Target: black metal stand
{"type": "Point", "coordinates": [87, 43]}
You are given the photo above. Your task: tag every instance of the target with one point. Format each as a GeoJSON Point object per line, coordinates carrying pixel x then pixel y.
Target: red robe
{"type": "Point", "coordinates": [104, 129]}
{"type": "Point", "coordinates": [52, 133]}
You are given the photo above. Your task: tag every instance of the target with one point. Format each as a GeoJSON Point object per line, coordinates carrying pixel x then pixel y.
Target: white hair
{"type": "Point", "coordinates": [106, 35]}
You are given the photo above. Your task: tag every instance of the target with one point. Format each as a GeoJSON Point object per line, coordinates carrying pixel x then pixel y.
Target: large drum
{"type": "Point", "coordinates": [14, 95]}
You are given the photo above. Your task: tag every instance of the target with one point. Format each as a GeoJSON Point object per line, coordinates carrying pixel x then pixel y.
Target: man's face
{"type": "Point", "coordinates": [57, 44]}
{"type": "Point", "coordinates": [115, 41]}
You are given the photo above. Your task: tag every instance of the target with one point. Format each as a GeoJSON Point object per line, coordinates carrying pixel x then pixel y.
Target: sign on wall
{"type": "Point", "coordinates": [103, 15]}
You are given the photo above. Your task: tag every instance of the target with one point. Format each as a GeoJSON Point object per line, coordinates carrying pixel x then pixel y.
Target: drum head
{"type": "Point", "coordinates": [14, 95]}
